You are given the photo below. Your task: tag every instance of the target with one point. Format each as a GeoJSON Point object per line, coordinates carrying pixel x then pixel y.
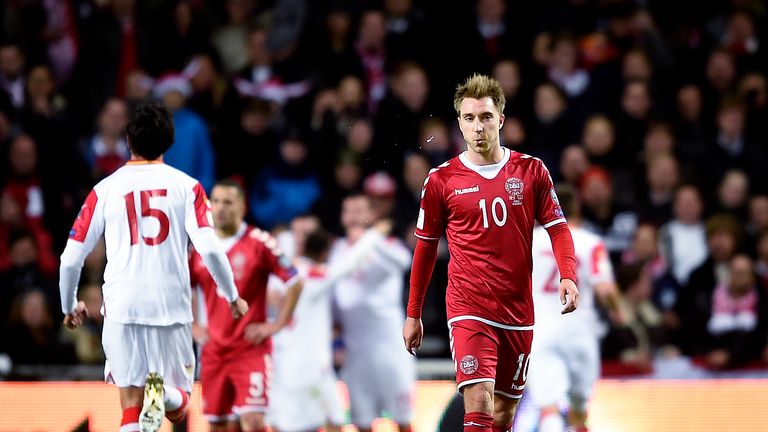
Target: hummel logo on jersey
{"type": "Point", "coordinates": [467, 190]}
{"type": "Point", "coordinates": [471, 423]}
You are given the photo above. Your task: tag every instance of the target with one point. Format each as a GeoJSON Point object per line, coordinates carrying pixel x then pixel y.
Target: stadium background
{"type": "Point", "coordinates": [305, 101]}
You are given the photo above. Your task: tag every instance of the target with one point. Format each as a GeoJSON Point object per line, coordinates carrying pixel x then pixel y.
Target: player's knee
{"type": "Point", "coordinates": [478, 397]}
{"type": "Point", "coordinates": [252, 422]}
{"type": "Point", "coordinates": [504, 410]}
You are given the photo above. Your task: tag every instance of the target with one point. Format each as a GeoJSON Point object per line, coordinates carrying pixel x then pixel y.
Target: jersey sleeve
{"type": "Point", "coordinates": [600, 268]}
{"type": "Point", "coordinates": [197, 212]}
{"type": "Point", "coordinates": [275, 260]}
{"type": "Point", "coordinates": [548, 211]}
{"type": "Point", "coordinates": [86, 231]}
{"type": "Point", "coordinates": [89, 224]}
{"type": "Point", "coordinates": [430, 224]}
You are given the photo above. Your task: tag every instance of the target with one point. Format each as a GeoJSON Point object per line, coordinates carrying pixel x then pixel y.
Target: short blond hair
{"type": "Point", "coordinates": [479, 86]}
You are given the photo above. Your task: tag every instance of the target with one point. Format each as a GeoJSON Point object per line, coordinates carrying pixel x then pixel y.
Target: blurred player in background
{"type": "Point", "coordinates": [304, 393]}
{"type": "Point", "coordinates": [379, 375]}
{"type": "Point", "coordinates": [486, 201]}
{"type": "Point", "coordinates": [237, 365]}
{"type": "Point", "coordinates": [147, 212]}
{"type": "Point", "coordinates": [566, 347]}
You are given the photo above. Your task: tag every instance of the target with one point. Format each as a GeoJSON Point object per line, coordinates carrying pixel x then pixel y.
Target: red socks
{"type": "Point", "coordinates": [178, 415]}
{"type": "Point", "coordinates": [478, 422]}
{"type": "Point", "coordinates": [130, 422]}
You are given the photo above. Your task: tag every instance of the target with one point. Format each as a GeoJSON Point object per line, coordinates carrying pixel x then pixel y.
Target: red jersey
{"type": "Point", "coordinates": [254, 255]}
{"type": "Point", "coordinates": [488, 213]}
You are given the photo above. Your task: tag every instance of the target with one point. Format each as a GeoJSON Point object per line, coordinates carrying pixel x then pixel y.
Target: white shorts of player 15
{"type": "Point", "coordinates": [134, 350]}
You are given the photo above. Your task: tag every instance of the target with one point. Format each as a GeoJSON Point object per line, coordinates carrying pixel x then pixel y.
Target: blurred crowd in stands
{"type": "Point", "coordinates": [657, 111]}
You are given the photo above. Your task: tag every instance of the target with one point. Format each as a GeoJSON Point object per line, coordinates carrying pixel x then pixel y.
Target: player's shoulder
{"type": "Point", "coordinates": [524, 159]}
{"type": "Point", "coordinates": [259, 238]}
{"type": "Point", "coordinates": [584, 236]}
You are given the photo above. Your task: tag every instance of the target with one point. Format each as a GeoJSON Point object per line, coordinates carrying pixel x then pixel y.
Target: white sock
{"type": "Point", "coordinates": [552, 423]}
{"type": "Point", "coordinates": [172, 399]}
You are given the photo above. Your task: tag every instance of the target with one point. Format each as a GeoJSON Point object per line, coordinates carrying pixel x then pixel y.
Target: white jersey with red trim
{"type": "Point", "coordinates": [592, 267]}
{"type": "Point", "coordinates": [369, 301]}
{"type": "Point", "coordinates": [147, 213]}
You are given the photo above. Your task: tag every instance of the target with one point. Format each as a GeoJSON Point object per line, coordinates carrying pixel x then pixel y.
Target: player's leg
{"type": "Point", "coordinates": [584, 370]}
{"type": "Point", "coordinates": [218, 392]}
{"type": "Point", "coordinates": [511, 374]}
{"type": "Point", "coordinates": [126, 366]}
{"type": "Point", "coordinates": [329, 397]}
{"type": "Point", "coordinates": [362, 392]}
{"type": "Point", "coordinates": [174, 361]}
{"type": "Point", "coordinates": [474, 347]}
{"type": "Point", "coordinates": [548, 383]}
{"type": "Point", "coordinates": [252, 372]}
{"type": "Point", "coordinates": [395, 381]}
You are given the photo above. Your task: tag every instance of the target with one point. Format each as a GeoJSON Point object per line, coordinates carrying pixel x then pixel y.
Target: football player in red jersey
{"type": "Point", "coordinates": [487, 201]}
{"type": "Point", "coordinates": [236, 360]}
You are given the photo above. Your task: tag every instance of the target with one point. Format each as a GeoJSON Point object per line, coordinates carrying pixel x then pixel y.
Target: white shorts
{"type": "Point", "coordinates": [378, 382]}
{"type": "Point", "coordinates": [134, 350]}
{"type": "Point", "coordinates": [306, 407]}
{"type": "Point", "coordinates": [563, 368]}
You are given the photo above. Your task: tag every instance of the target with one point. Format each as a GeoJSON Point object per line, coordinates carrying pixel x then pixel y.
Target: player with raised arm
{"type": "Point", "coordinates": [566, 348]}
{"type": "Point", "coordinates": [236, 360]}
{"type": "Point", "coordinates": [379, 376]}
{"type": "Point", "coordinates": [486, 201]}
{"type": "Point", "coordinates": [147, 212]}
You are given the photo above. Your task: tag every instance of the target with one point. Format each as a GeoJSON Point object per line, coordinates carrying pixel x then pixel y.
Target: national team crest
{"type": "Point", "coordinates": [515, 187]}
{"type": "Point", "coordinates": [468, 364]}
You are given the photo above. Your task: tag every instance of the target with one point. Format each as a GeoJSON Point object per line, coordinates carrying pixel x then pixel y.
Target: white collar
{"type": "Point", "coordinates": [486, 171]}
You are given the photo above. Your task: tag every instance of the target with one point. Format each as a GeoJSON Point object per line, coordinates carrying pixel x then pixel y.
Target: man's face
{"type": "Point", "coordinates": [480, 121]}
{"type": "Point", "coordinates": [356, 212]}
{"type": "Point", "coordinates": [228, 207]}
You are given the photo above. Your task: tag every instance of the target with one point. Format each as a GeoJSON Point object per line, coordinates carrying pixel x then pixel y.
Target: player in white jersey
{"type": "Point", "coordinates": [308, 401]}
{"type": "Point", "coordinates": [378, 373]}
{"type": "Point", "coordinates": [147, 212]}
{"type": "Point", "coordinates": [566, 347]}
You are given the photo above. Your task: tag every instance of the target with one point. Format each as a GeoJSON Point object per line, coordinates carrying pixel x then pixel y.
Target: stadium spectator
{"type": "Point", "coordinates": [230, 38]}
{"type": "Point", "coordinates": [573, 164]}
{"type": "Point", "coordinates": [12, 80]}
{"type": "Point", "coordinates": [286, 188]}
{"type": "Point", "coordinates": [683, 240]}
{"type": "Point", "coordinates": [13, 222]}
{"type": "Point", "coordinates": [631, 346]}
{"type": "Point", "coordinates": [32, 334]}
{"type": "Point", "coordinates": [736, 326]}
{"type": "Point", "coordinates": [694, 302]}
{"type": "Point", "coordinates": [192, 152]}
{"type": "Point", "coordinates": [107, 150]}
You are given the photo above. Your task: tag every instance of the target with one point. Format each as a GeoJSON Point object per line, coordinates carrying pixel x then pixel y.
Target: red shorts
{"type": "Point", "coordinates": [482, 352]}
{"type": "Point", "coordinates": [235, 385]}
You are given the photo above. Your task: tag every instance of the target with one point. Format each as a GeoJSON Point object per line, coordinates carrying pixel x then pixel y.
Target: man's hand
{"type": "Point", "coordinates": [238, 308]}
{"type": "Point", "coordinates": [383, 226]}
{"type": "Point", "coordinates": [76, 318]}
{"type": "Point", "coordinates": [200, 333]}
{"type": "Point", "coordinates": [255, 333]}
{"type": "Point", "coordinates": [569, 292]}
{"type": "Point", "coordinates": [413, 333]}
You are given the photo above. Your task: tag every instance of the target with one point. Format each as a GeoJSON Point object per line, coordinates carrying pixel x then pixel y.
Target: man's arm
{"type": "Point", "coordinates": [565, 255]}
{"type": "Point", "coordinates": [199, 226]}
{"type": "Point", "coordinates": [208, 246]}
{"type": "Point", "coordinates": [257, 332]}
{"type": "Point", "coordinates": [86, 231]}
{"type": "Point", "coordinates": [424, 258]}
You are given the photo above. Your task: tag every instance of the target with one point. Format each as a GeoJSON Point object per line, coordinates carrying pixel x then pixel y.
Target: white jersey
{"type": "Point", "coordinates": [592, 267]}
{"type": "Point", "coordinates": [305, 344]}
{"type": "Point", "coordinates": [370, 300]}
{"type": "Point", "coordinates": [147, 212]}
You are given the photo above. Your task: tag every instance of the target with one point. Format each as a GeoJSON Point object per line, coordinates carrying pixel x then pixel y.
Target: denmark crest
{"type": "Point", "coordinates": [515, 187]}
{"type": "Point", "coordinates": [468, 364]}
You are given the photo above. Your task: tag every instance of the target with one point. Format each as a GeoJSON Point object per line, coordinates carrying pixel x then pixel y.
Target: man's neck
{"type": "Point", "coordinates": [494, 155]}
{"type": "Point", "coordinates": [227, 232]}
{"type": "Point", "coordinates": [137, 158]}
